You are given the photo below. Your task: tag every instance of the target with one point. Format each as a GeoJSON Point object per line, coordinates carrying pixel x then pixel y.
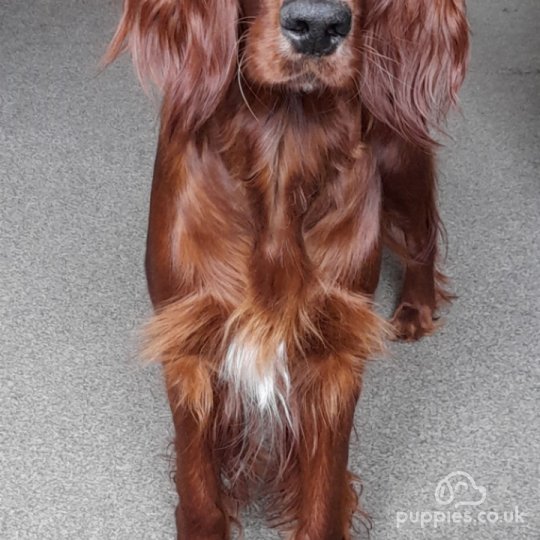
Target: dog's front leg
{"type": "Point", "coordinates": [199, 514]}
{"type": "Point", "coordinates": [327, 499]}
{"type": "Point", "coordinates": [192, 265]}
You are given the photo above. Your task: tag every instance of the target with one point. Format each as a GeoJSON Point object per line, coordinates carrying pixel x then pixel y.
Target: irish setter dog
{"type": "Point", "coordinates": [295, 141]}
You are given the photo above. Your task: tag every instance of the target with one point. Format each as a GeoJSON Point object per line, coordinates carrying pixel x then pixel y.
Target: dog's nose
{"type": "Point", "coordinates": [317, 27]}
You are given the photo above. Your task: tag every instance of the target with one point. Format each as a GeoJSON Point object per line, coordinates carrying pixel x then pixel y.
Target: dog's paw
{"type": "Point", "coordinates": [412, 323]}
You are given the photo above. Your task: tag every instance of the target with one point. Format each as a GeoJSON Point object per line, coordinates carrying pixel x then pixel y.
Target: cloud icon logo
{"type": "Point", "coordinates": [459, 488]}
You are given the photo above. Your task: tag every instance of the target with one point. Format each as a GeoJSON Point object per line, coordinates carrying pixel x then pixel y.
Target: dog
{"type": "Point", "coordinates": [296, 139]}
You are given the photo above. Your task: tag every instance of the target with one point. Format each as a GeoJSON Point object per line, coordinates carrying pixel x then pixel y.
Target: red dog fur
{"type": "Point", "coordinates": [277, 179]}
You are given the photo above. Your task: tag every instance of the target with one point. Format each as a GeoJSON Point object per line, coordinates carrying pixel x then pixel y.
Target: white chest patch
{"type": "Point", "coordinates": [261, 384]}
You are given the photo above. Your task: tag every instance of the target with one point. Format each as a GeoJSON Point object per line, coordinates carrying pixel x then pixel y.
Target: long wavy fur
{"type": "Point", "coordinates": [276, 181]}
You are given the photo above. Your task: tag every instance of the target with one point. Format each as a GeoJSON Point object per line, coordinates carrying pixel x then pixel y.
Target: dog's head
{"type": "Point", "coordinates": [406, 58]}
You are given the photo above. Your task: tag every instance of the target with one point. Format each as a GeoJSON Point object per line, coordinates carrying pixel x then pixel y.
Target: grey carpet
{"type": "Point", "coordinates": [84, 429]}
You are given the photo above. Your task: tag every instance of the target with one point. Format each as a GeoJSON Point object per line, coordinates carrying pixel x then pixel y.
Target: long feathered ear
{"type": "Point", "coordinates": [415, 55]}
{"type": "Point", "coordinates": [187, 48]}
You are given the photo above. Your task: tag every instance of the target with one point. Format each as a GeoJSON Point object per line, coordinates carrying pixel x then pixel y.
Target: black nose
{"type": "Point", "coordinates": [315, 27]}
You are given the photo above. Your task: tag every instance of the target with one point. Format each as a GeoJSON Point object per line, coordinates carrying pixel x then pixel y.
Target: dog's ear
{"type": "Point", "coordinates": [187, 48]}
{"type": "Point", "coordinates": [415, 54]}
